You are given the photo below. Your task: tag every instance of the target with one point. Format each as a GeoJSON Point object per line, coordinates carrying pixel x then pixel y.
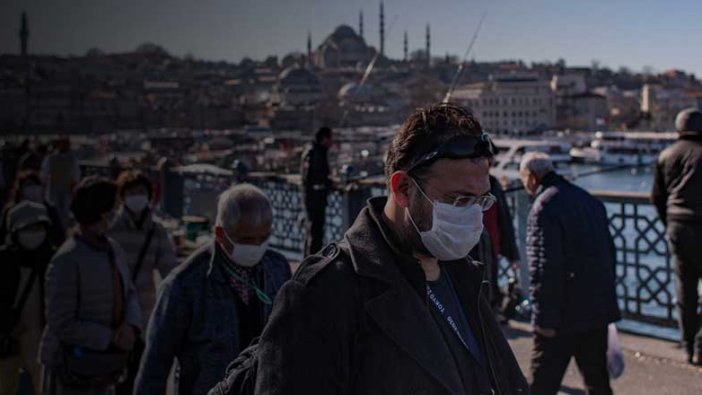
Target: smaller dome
{"type": "Point", "coordinates": [344, 31]}
{"type": "Point", "coordinates": [297, 76]}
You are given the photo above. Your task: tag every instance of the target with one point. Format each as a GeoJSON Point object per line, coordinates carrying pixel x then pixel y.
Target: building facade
{"type": "Point", "coordinates": [663, 104]}
{"type": "Point", "coordinates": [511, 103]}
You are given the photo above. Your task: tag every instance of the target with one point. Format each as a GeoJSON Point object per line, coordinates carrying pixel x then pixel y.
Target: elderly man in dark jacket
{"type": "Point", "coordinates": [677, 195]}
{"type": "Point", "coordinates": [212, 306]}
{"type": "Point", "coordinates": [572, 268]}
{"type": "Point", "coordinates": [396, 307]}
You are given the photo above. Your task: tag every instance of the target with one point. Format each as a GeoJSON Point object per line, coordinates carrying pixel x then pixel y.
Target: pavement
{"type": "Point", "coordinates": [652, 366]}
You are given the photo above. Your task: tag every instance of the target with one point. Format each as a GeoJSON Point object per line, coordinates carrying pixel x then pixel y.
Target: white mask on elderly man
{"type": "Point", "coordinates": [246, 255]}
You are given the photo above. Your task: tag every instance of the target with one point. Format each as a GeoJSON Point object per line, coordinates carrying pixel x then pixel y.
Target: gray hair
{"type": "Point", "coordinates": [537, 163]}
{"type": "Point", "coordinates": [243, 201]}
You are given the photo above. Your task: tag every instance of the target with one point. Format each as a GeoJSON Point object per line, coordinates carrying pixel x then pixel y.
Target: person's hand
{"type": "Point", "coordinates": [125, 337]}
{"type": "Point", "coordinates": [545, 332]}
{"type": "Point", "coordinates": [516, 264]}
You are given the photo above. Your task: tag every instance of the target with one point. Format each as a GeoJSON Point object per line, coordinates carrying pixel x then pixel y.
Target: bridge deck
{"type": "Point", "coordinates": [652, 366]}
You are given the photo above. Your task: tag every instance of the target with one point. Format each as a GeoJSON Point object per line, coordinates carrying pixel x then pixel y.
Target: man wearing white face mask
{"type": "Point", "coordinates": [148, 248]}
{"type": "Point", "coordinates": [213, 305]}
{"type": "Point", "coordinates": [23, 263]}
{"type": "Point", "coordinates": [397, 306]}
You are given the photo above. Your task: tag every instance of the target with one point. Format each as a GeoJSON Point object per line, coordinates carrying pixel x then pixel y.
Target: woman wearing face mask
{"type": "Point", "coordinates": [148, 248]}
{"type": "Point", "coordinates": [28, 187]}
{"type": "Point", "coordinates": [218, 301]}
{"type": "Point", "coordinates": [24, 259]}
{"type": "Point", "coordinates": [92, 311]}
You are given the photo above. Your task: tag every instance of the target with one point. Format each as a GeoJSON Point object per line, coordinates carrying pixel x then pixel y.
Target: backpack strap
{"type": "Point", "coordinates": [142, 253]}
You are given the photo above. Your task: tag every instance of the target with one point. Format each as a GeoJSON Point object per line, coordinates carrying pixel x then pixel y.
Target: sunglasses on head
{"type": "Point", "coordinates": [459, 147]}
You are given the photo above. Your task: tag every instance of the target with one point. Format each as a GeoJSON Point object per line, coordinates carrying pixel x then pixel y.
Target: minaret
{"type": "Point", "coordinates": [382, 29]}
{"type": "Point", "coordinates": [428, 46]}
{"type": "Point", "coordinates": [406, 47]}
{"type": "Point", "coordinates": [360, 23]}
{"type": "Point", "coordinates": [309, 50]}
{"type": "Point", "coordinates": [24, 34]}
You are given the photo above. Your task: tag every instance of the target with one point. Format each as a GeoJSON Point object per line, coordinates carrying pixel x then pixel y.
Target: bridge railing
{"type": "Point", "coordinates": [645, 279]}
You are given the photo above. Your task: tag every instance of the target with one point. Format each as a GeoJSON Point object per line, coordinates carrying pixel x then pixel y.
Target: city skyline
{"type": "Point", "coordinates": [633, 34]}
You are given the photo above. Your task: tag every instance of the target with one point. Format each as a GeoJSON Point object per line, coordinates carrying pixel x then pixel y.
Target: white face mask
{"type": "Point", "coordinates": [31, 239]}
{"type": "Point", "coordinates": [33, 193]}
{"type": "Point", "coordinates": [246, 255]}
{"type": "Point", "coordinates": [136, 203]}
{"type": "Point", "coordinates": [454, 230]}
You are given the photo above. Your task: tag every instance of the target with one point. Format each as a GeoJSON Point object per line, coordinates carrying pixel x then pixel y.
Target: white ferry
{"type": "Point", "coordinates": [510, 153]}
{"type": "Point", "coordinates": [624, 148]}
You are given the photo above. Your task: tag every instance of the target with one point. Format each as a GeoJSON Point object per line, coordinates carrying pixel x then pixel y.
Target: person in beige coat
{"type": "Point", "coordinates": [148, 248]}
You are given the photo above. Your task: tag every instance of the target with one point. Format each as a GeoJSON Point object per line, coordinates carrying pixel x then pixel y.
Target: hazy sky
{"type": "Point", "coordinates": [633, 33]}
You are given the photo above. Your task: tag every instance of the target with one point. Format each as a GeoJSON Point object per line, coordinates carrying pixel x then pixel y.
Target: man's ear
{"type": "Point", "coordinates": [400, 183]}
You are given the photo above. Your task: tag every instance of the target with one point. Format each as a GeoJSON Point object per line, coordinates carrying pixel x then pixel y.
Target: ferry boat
{"type": "Point", "coordinates": [624, 148]}
{"type": "Point", "coordinates": [510, 152]}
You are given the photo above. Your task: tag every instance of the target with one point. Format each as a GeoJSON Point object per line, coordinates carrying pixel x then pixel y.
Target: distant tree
{"type": "Point", "coordinates": [247, 63]}
{"type": "Point", "coordinates": [271, 61]}
{"type": "Point", "coordinates": [595, 65]}
{"type": "Point", "coordinates": [151, 49]}
{"type": "Point", "coordinates": [94, 52]}
{"type": "Point", "coordinates": [624, 71]}
{"type": "Point", "coordinates": [292, 59]}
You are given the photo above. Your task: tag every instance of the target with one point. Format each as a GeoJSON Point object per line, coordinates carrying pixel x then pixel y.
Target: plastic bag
{"type": "Point", "coordinates": [615, 357]}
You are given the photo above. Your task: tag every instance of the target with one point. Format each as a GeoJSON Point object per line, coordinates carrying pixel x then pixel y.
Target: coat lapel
{"type": "Point", "coordinates": [401, 312]}
{"type": "Point", "coordinates": [406, 320]}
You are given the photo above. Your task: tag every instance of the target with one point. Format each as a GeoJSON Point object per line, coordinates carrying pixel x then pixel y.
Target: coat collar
{"type": "Point", "coordinates": [378, 252]}
{"type": "Point", "coordinates": [402, 312]}
{"type": "Point", "coordinates": [548, 181]}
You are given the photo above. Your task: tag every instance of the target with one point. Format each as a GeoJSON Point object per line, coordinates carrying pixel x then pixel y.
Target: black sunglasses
{"type": "Point", "coordinates": [459, 147]}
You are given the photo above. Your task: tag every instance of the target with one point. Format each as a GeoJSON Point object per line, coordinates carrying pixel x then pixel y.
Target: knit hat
{"type": "Point", "coordinates": [689, 120]}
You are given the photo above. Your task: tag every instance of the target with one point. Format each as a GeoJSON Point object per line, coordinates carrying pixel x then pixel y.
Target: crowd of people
{"type": "Point", "coordinates": [94, 300]}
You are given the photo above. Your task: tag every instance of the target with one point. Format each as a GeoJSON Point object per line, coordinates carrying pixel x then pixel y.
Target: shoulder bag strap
{"type": "Point", "coordinates": [142, 253]}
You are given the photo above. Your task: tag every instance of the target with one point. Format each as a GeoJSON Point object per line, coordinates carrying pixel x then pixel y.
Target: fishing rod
{"type": "Point", "coordinates": [586, 174]}
{"type": "Point", "coordinates": [369, 69]}
{"type": "Point", "coordinates": [461, 66]}
{"type": "Point", "coordinates": [605, 170]}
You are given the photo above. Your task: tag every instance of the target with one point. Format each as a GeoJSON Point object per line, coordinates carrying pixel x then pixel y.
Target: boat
{"type": "Point", "coordinates": [624, 148]}
{"type": "Point", "coordinates": [510, 152]}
